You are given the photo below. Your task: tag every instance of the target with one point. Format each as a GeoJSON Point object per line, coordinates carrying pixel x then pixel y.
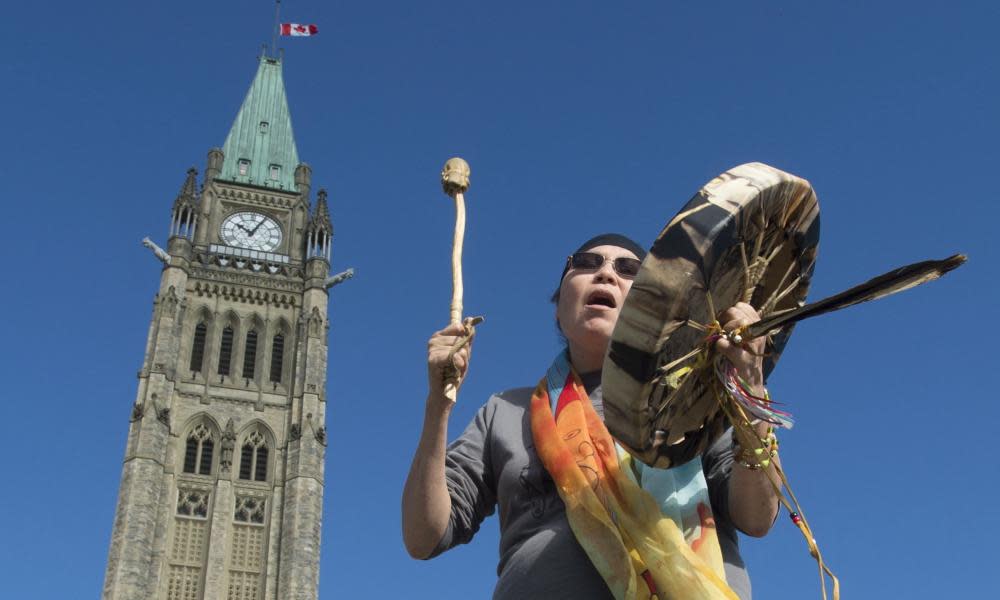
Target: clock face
{"type": "Point", "coordinates": [251, 230]}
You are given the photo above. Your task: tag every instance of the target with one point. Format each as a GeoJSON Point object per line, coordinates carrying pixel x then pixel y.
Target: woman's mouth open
{"type": "Point", "coordinates": [601, 299]}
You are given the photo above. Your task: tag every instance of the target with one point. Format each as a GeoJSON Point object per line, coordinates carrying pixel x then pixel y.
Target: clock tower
{"type": "Point", "coordinates": [222, 483]}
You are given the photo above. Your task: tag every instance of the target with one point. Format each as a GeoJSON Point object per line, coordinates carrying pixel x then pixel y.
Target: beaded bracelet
{"type": "Point", "coordinates": [751, 459]}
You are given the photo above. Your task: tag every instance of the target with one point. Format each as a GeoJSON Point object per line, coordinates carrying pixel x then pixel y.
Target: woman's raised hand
{"type": "Point", "coordinates": [747, 357]}
{"type": "Point", "coordinates": [444, 362]}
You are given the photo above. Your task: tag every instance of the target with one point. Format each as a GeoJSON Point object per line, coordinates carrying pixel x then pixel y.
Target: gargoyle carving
{"type": "Point", "coordinates": [160, 253]}
{"type": "Point", "coordinates": [338, 278]}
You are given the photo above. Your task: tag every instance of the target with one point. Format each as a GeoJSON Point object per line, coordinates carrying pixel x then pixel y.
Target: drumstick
{"type": "Point", "coordinates": [454, 181]}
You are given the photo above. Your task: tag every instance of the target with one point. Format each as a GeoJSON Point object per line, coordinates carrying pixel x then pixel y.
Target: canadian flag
{"type": "Point", "coordinates": [295, 30]}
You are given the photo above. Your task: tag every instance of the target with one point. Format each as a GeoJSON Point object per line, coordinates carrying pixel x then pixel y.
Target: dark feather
{"type": "Point", "coordinates": [894, 281]}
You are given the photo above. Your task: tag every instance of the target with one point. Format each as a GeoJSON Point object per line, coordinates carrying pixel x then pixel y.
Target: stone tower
{"type": "Point", "coordinates": [222, 484]}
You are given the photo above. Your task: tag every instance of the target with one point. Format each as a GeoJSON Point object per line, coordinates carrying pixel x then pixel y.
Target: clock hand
{"type": "Point", "coordinates": [257, 227]}
{"type": "Point", "coordinates": [244, 229]}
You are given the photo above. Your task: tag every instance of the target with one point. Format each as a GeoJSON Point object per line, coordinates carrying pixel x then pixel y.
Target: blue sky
{"type": "Point", "coordinates": [577, 118]}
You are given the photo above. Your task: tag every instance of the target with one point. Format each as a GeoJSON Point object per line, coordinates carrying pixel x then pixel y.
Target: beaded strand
{"type": "Point", "coordinates": [751, 458]}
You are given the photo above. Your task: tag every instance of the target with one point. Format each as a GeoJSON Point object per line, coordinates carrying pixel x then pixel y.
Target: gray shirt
{"type": "Point", "coordinates": [494, 463]}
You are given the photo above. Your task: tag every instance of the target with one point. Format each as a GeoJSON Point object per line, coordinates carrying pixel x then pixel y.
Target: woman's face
{"type": "Point", "coordinates": [590, 300]}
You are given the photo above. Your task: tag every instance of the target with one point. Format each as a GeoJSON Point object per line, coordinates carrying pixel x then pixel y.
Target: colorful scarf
{"type": "Point", "coordinates": [649, 532]}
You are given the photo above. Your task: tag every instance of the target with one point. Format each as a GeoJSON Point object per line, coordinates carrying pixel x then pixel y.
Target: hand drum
{"type": "Point", "coordinates": [749, 235]}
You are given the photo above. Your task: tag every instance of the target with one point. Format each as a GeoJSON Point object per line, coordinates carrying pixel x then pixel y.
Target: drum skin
{"type": "Point", "coordinates": [751, 234]}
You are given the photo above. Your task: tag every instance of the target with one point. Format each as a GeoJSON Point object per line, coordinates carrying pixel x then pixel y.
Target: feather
{"type": "Point", "coordinates": [894, 281]}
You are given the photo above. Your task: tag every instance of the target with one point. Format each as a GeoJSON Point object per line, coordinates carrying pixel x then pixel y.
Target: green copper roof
{"type": "Point", "coordinates": [260, 147]}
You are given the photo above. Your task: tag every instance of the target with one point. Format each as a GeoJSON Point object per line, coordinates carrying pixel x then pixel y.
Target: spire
{"type": "Point", "coordinates": [189, 191]}
{"type": "Point", "coordinates": [260, 148]}
{"type": "Point", "coordinates": [184, 217]}
{"type": "Point", "coordinates": [321, 217]}
{"type": "Point", "coordinates": [319, 232]}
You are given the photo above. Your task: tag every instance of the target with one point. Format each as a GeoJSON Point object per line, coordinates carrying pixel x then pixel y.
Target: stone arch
{"type": "Point", "coordinates": [282, 325]}
{"type": "Point", "coordinates": [232, 318]}
{"type": "Point", "coordinates": [201, 417]}
{"type": "Point", "coordinates": [256, 446]}
{"type": "Point", "coordinates": [204, 313]}
{"type": "Point", "coordinates": [199, 445]}
{"type": "Point", "coordinates": [260, 424]}
{"type": "Point", "coordinates": [254, 321]}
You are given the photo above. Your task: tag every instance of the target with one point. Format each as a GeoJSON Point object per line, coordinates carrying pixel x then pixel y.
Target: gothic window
{"type": "Point", "coordinates": [226, 350]}
{"type": "Point", "coordinates": [244, 166]}
{"type": "Point", "coordinates": [187, 548]}
{"type": "Point", "coordinates": [198, 451]}
{"type": "Point", "coordinates": [198, 347]}
{"type": "Point", "coordinates": [277, 357]}
{"type": "Point", "coordinates": [250, 355]}
{"type": "Point", "coordinates": [253, 457]}
{"type": "Point", "coordinates": [246, 561]}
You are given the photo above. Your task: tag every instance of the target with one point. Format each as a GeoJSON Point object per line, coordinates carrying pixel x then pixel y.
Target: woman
{"type": "Point", "coordinates": [496, 460]}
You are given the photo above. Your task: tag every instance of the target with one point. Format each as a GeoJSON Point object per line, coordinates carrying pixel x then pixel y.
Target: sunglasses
{"type": "Point", "coordinates": [623, 265]}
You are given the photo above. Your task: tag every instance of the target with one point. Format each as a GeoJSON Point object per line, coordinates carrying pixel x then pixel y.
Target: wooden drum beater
{"type": "Point", "coordinates": [454, 182]}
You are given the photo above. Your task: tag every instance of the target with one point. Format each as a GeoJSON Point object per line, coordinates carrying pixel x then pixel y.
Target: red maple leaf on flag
{"type": "Point", "coordinates": [297, 30]}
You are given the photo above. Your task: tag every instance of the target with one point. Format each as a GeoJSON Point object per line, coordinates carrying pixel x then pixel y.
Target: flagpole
{"type": "Point", "coordinates": [277, 27]}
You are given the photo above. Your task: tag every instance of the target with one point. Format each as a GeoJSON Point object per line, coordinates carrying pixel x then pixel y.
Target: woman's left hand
{"type": "Point", "coordinates": [753, 502]}
{"type": "Point", "coordinates": [749, 364]}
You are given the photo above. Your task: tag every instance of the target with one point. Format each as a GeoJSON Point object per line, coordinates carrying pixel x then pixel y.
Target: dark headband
{"type": "Point", "coordinates": [609, 239]}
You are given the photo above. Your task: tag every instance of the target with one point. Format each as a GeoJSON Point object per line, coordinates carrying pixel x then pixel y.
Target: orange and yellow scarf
{"type": "Point", "coordinates": [662, 548]}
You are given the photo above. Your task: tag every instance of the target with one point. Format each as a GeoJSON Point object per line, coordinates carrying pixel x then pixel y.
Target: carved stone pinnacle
{"type": "Point", "coordinates": [455, 176]}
